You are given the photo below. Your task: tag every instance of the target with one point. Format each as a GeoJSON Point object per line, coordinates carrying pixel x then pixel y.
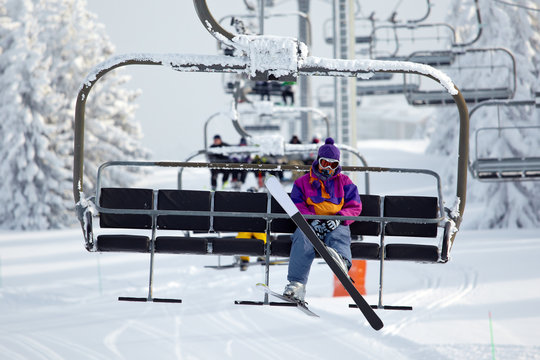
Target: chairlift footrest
{"type": "Point", "coordinates": [142, 299]}
{"type": "Point", "coordinates": [385, 307]}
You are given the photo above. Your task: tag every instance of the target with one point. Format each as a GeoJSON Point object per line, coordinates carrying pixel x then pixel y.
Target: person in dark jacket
{"type": "Point", "coordinates": [218, 158]}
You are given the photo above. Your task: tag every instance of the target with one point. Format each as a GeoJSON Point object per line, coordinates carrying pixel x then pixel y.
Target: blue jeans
{"type": "Point", "coordinates": [303, 252]}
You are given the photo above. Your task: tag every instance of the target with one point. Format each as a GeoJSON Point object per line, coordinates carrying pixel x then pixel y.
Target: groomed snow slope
{"type": "Point", "coordinates": [59, 302]}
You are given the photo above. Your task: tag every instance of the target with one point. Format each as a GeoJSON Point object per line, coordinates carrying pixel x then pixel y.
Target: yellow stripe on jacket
{"type": "Point", "coordinates": [324, 207]}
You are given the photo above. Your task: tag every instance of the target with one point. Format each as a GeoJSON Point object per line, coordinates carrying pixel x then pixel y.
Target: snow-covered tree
{"type": "Point", "coordinates": [499, 204]}
{"type": "Point", "coordinates": [46, 50]}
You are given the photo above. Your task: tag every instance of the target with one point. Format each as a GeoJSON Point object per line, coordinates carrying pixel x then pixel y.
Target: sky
{"type": "Point", "coordinates": [174, 104]}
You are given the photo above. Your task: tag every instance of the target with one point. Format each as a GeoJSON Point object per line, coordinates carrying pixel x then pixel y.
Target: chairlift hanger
{"type": "Point", "coordinates": [413, 21]}
{"type": "Point", "coordinates": [497, 169]}
{"type": "Point", "coordinates": [413, 26]}
{"type": "Point", "coordinates": [296, 63]}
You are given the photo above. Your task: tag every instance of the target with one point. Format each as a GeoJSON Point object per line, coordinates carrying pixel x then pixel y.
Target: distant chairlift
{"type": "Point", "coordinates": [278, 116]}
{"type": "Point", "coordinates": [397, 41]}
{"type": "Point", "coordinates": [407, 42]}
{"type": "Point", "coordinates": [496, 166]}
{"type": "Point", "coordinates": [426, 43]}
{"type": "Point", "coordinates": [487, 73]}
{"type": "Point", "coordinates": [392, 47]}
{"type": "Point", "coordinates": [364, 26]}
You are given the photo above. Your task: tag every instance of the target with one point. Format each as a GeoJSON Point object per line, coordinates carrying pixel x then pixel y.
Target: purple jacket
{"type": "Point", "coordinates": [336, 196]}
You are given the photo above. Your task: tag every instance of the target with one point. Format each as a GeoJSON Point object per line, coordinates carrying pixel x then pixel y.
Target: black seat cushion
{"type": "Point", "coordinates": [281, 246]}
{"type": "Point", "coordinates": [411, 207]}
{"type": "Point", "coordinates": [412, 252]}
{"type": "Point", "coordinates": [365, 250]}
{"type": "Point", "coordinates": [123, 243]}
{"type": "Point", "coordinates": [285, 225]}
{"type": "Point", "coordinates": [240, 202]}
{"type": "Point", "coordinates": [186, 200]}
{"type": "Point", "coordinates": [125, 198]}
{"type": "Point", "coordinates": [181, 245]}
{"type": "Point", "coordinates": [371, 206]}
{"type": "Point", "coordinates": [235, 246]}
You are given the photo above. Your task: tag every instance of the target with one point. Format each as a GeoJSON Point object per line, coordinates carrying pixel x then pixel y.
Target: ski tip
{"type": "Point", "coordinates": [378, 325]}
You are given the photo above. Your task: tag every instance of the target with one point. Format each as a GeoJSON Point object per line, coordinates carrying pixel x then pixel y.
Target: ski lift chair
{"type": "Point", "coordinates": [145, 203]}
{"type": "Point", "coordinates": [363, 29]}
{"type": "Point", "coordinates": [495, 67]}
{"type": "Point", "coordinates": [397, 41]}
{"type": "Point", "coordinates": [497, 166]}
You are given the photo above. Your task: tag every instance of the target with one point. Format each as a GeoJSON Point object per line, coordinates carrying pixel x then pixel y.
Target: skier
{"type": "Point", "coordinates": [218, 158]}
{"type": "Point", "coordinates": [287, 91]}
{"type": "Point", "coordinates": [322, 191]}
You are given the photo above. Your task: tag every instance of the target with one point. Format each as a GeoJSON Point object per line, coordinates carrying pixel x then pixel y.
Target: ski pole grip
{"type": "Point", "coordinates": [281, 196]}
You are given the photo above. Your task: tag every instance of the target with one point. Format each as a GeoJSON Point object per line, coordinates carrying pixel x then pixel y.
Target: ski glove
{"type": "Point", "coordinates": [323, 227]}
{"type": "Point", "coordinates": [319, 228]}
{"type": "Point", "coordinates": [332, 225]}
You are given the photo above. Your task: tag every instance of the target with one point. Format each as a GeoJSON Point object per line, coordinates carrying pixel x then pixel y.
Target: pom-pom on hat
{"type": "Point", "coordinates": [329, 150]}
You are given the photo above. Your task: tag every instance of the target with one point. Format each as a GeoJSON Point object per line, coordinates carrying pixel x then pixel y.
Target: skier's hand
{"type": "Point", "coordinates": [319, 227]}
{"type": "Point", "coordinates": [331, 225]}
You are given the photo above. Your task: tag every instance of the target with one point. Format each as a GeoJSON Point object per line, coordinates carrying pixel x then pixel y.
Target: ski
{"type": "Point", "coordinates": [277, 191]}
{"type": "Point", "coordinates": [301, 305]}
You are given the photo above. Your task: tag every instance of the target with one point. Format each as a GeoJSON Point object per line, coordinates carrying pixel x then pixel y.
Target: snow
{"type": "Point", "coordinates": [58, 301]}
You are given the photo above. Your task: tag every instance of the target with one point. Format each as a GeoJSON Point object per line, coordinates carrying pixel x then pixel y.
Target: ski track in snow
{"type": "Point", "coordinates": [436, 295]}
{"type": "Point", "coordinates": [45, 309]}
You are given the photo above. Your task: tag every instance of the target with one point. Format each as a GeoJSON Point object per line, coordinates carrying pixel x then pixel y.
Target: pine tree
{"type": "Point", "coordinates": [500, 204]}
{"type": "Point", "coordinates": [46, 50]}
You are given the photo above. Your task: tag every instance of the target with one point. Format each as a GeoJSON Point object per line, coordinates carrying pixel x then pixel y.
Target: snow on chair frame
{"type": "Point", "coordinates": [291, 62]}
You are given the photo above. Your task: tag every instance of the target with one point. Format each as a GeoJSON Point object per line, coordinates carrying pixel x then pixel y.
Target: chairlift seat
{"type": "Point", "coordinates": [437, 58]}
{"type": "Point", "coordinates": [265, 127]}
{"type": "Point", "coordinates": [470, 95]}
{"type": "Point", "coordinates": [387, 89]}
{"type": "Point", "coordinates": [510, 168]}
{"type": "Point", "coordinates": [238, 202]}
{"type": "Point", "coordinates": [365, 39]}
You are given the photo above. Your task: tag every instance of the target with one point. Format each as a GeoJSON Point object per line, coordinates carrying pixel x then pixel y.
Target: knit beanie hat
{"type": "Point", "coordinates": [329, 150]}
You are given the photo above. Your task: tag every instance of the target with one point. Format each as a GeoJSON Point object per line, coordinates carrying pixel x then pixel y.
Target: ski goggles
{"type": "Point", "coordinates": [326, 163]}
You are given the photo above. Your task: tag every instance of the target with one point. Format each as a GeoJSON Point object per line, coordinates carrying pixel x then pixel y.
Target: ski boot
{"type": "Point", "coordinates": [295, 290]}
